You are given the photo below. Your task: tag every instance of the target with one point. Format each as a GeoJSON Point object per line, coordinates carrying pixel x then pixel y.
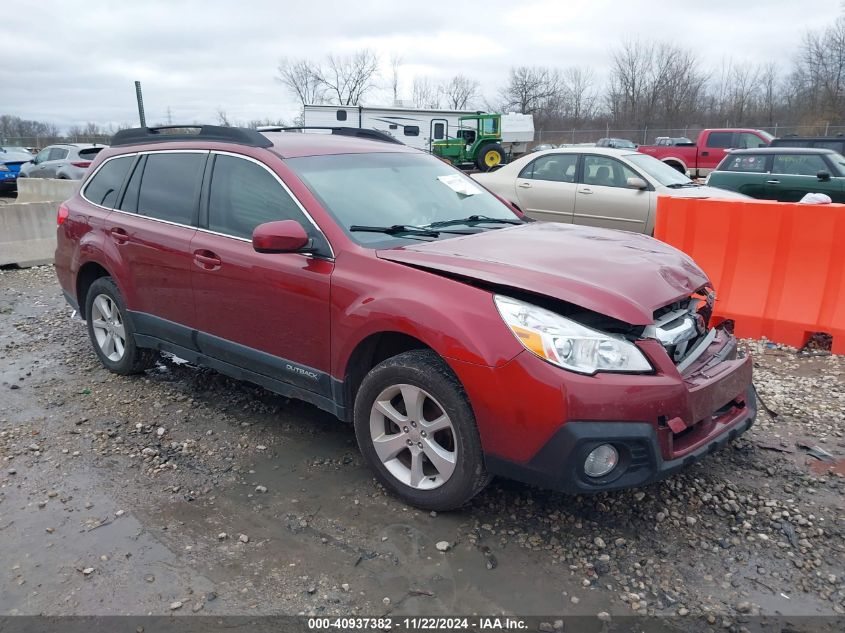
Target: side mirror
{"type": "Point", "coordinates": [284, 236]}
{"type": "Point", "coordinates": [823, 176]}
{"type": "Point", "coordinates": [636, 183]}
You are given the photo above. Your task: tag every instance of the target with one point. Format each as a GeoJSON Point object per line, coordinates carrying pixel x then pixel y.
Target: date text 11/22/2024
{"type": "Point", "coordinates": [418, 624]}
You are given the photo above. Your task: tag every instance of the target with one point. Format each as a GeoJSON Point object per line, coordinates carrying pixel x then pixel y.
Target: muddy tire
{"type": "Point", "coordinates": [111, 332]}
{"type": "Point", "coordinates": [416, 429]}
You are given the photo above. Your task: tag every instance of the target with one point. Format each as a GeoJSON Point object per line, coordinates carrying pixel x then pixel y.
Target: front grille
{"type": "Point", "coordinates": [681, 327]}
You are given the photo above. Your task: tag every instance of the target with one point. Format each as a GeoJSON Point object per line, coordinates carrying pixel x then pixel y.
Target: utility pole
{"type": "Point", "coordinates": [140, 98]}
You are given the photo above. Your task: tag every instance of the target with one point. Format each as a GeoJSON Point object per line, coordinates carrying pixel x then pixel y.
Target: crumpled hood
{"type": "Point", "coordinates": [622, 275]}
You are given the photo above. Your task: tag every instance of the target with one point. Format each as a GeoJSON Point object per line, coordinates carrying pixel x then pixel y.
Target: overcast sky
{"type": "Point", "coordinates": [73, 62]}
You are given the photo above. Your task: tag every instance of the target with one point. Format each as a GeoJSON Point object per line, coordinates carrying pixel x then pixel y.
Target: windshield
{"type": "Point", "coordinates": [395, 188]}
{"type": "Point", "coordinates": [658, 170]}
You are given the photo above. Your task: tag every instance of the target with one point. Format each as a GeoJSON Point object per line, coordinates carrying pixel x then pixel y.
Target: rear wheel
{"type": "Point", "coordinates": [490, 156]}
{"type": "Point", "coordinates": [416, 429]}
{"type": "Point", "coordinates": [111, 333]}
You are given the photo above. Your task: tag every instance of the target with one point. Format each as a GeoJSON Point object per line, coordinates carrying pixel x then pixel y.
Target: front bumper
{"type": "Point", "coordinates": [559, 464]}
{"type": "Point", "coordinates": [538, 422]}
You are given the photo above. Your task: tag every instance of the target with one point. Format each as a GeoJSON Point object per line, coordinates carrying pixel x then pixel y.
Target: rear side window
{"type": "Point", "coordinates": [755, 163]}
{"type": "Point", "coordinates": [170, 185]}
{"type": "Point", "coordinates": [244, 195]}
{"type": "Point", "coordinates": [799, 164]}
{"type": "Point", "coordinates": [722, 140]}
{"type": "Point", "coordinates": [103, 188]}
{"type": "Point", "coordinates": [57, 153]}
{"type": "Point", "coordinates": [554, 167]}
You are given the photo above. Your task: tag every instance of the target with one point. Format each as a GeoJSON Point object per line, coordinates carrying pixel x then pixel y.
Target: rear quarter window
{"type": "Point", "coordinates": [753, 163]}
{"type": "Point", "coordinates": [90, 152]}
{"type": "Point", "coordinates": [103, 188]}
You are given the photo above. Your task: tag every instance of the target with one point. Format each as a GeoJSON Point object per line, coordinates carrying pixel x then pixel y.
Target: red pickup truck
{"type": "Point", "coordinates": [700, 158]}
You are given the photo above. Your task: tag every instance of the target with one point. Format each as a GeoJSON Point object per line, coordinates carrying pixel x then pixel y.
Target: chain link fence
{"type": "Point", "coordinates": [645, 136]}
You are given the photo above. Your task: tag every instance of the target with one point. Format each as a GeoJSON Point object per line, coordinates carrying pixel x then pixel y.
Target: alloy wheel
{"type": "Point", "coordinates": [413, 437]}
{"type": "Point", "coordinates": [109, 331]}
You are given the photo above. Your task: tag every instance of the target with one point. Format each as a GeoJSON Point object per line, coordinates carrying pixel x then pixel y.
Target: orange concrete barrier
{"type": "Point", "coordinates": [778, 268]}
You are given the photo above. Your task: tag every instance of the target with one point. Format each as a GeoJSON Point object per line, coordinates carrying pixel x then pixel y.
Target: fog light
{"type": "Point", "coordinates": [601, 460]}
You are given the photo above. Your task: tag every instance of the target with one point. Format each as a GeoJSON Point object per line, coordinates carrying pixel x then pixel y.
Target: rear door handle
{"type": "Point", "coordinates": [585, 190]}
{"type": "Point", "coordinates": [525, 185]}
{"type": "Point", "coordinates": [705, 153]}
{"type": "Point", "coordinates": [207, 260]}
{"type": "Point", "coordinates": [119, 235]}
{"type": "Point", "coordinates": [773, 182]}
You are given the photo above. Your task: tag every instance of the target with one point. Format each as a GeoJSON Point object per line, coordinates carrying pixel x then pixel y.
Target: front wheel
{"type": "Point", "coordinates": [416, 429]}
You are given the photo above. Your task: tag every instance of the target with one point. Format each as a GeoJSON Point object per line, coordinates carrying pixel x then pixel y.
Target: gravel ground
{"type": "Point", "coordinates": [183, 491]}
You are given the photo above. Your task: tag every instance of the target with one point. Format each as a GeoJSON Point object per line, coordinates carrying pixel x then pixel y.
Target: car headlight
{"type": "Point", "coordinates": [566, 343]}
{"type": "Point", "coordinates": [4, 168]}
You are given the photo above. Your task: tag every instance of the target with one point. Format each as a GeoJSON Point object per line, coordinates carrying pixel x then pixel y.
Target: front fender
{"type": "Point", "coordinates": [458, 321]}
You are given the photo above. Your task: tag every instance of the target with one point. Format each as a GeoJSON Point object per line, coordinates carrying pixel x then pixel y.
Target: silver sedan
{"type": "Point", "coordinates": [595, 186]}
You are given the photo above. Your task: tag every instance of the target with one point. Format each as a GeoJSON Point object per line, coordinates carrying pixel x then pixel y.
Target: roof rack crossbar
{"type": "Point", "coordinates": [367, 133]}
{"type": "Point", "coordinates": [165, 133]}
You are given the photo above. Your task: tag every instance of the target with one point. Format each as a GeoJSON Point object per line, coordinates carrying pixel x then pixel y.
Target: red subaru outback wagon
{"type": "Point", "coordinates": [384, 286]}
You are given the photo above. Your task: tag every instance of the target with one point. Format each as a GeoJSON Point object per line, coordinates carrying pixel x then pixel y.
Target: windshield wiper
{"type": "Point", "coordinates": [475, 219]}
{"type": "Point", "coordinates": [395, 229]}
{"type": "Point", "coordinates": [681, 185]}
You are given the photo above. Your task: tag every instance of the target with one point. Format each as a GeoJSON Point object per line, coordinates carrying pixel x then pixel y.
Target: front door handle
{"type": "Point", "coordinates": [525, 185]}
{"type": "Point", "coordinates": [207, 260]}
{"type": "Point", "coordinates": [773, 182]}
{"type": "Point", "coordinates": [705, 153]}
{"type": "Point", "coordinates": [119, 235]}
{"type": "Point", "coordinates": [585, 190]}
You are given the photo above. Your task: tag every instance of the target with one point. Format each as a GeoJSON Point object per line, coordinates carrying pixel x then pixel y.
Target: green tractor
{"type": "Point", "coordinates": [477, 141]}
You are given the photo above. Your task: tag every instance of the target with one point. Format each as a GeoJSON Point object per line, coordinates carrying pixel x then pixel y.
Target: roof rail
{"type": "Point", "coordinates": [165, 133]}
{"type": "Point", "coordinates": [367, 133]}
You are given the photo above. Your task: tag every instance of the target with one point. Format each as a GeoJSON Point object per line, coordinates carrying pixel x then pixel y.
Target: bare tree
{"type": "Point", "coordinates": [531, 89]}
{"type": "Point", "coordinates": [821, 71]}
{"type": "Point", "coordinates": [223, 118]}
{"type": "Point", "coordinates": [459, 92]}
{"type": "Point", "coordinates": [579, 97]}
{"type": "Point", "coordinates": [395, 65]}
{"type": "Point", "coordinates": [425, 94]}
{"type": "Point", "coordinates": [347, 78]}
{"type": "Point", "coordinates": [301, 78]}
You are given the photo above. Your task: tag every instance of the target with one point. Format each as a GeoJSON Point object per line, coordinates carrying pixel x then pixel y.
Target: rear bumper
{"type": "Point", "coordinates": [559, 464]}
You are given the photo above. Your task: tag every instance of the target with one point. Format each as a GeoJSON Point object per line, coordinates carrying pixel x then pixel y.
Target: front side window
{"type": "Point", "coordinates": [243, 195]}
{"type": "Point", "coordinates": [606, 172]}
{"type": "Point", "coordinates": [170, 186]}
{"type": "Point", "coordinates": [750, 141]}
{"type": "Point", "coordinates": [42, 155]}
{"type": "Point", "coordinates": [103, 188]}
{"type": "Point", "coordinates": [755, 163]}
{"type": "Point", "coordinates": [387, 188]}
{"type": "Point", "coordinates": [722, 140]}
{"type": "Point", "coordinates": [553, 167]}
{"type": "Point", "coordinates": [798, 164]}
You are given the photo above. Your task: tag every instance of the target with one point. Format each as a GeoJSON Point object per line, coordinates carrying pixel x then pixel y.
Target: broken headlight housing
{"type": "Point", "coordinates": [566, 343]}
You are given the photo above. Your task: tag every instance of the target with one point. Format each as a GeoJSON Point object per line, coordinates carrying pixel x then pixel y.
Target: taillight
{"type": "Point", "coordinates": [81, 163]}
{"type": "Point", "coordinates": [61, 216]}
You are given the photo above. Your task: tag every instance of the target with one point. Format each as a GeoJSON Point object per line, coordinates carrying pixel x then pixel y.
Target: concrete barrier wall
{"type": "Point", "coordinates": [45, 189]}
{"type": "Point", "coordinates": [27, 233]}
